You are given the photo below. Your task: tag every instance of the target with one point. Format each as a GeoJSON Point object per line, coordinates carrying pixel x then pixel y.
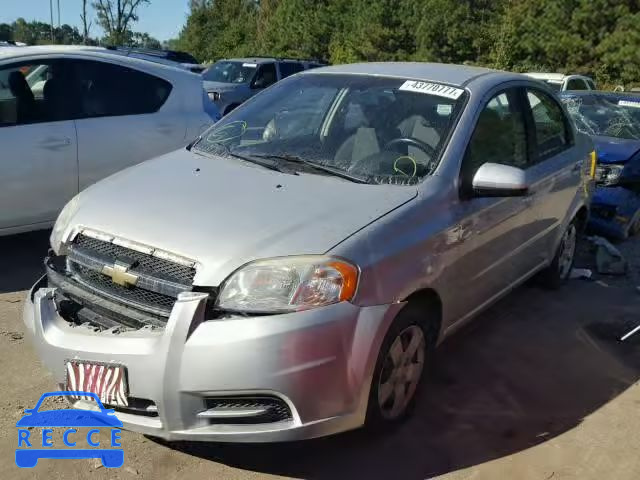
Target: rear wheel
{"type": "Point", "coordinates": [400, 368]}
{"type": "Point", "coordinates": [558, 272]}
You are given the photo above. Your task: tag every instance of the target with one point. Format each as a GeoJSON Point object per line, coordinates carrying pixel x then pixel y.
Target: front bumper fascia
{"type": "Point", "coordinates": [320, 362]}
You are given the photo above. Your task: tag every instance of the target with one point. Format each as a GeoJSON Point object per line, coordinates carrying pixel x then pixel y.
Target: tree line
{"type": "Point", "coordinates": [115, 17]}
{"type": "Point", "coordinates": [596, 37]}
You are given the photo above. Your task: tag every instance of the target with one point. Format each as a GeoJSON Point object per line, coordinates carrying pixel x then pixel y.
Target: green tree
{"type": "Point", "coordinates": [116, 17]}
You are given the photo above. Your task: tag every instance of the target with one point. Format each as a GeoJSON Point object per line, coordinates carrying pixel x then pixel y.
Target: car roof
{"type": "Point", "coordinates": [100, 52]}
{"type": "Point", "coordinates": [555, 77]}
{"type": "Point", "coordinates": [459, 75]}
{"type": "Point", "coordinates": [260, 60]}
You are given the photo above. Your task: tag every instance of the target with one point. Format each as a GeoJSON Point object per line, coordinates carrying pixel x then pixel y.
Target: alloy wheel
{"type": "Point", "coordinates": [567, 251]}
{"type": "Point", "coordinates": [401, 372]}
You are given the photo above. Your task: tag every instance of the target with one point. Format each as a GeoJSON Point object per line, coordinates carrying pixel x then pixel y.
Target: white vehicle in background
{"type": "Point", "coordinates": [70, 116]}
{"type": "Point", "coordinates": [560, 82]}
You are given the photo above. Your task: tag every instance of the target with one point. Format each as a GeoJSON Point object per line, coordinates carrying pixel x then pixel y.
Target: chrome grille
{"type": "Point", "coordinates": [159, 281]}
{"type": "Point", "coordinates": [146, 263]}
{"type": "Point", "coordinates": [160, 303]}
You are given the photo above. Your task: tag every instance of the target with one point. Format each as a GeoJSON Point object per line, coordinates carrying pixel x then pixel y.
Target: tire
{"type": "Point", "coordinates": [557, 274]}
{"type": "Point", "coordinates": [387, 407]}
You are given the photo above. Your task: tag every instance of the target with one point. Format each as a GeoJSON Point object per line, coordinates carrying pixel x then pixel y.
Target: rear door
{"type": "Point", "coordinates": [126, 116]}
{"type": "Point", "coordinates": [38, 159]}
{"type": "Point", "coordinates": [554, 174]}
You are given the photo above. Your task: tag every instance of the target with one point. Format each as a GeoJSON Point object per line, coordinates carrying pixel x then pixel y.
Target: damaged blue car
{"type": "Point", "coordinates": [613, 122]}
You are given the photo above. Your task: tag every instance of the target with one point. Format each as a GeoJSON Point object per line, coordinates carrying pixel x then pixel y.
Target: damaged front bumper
{"type": "Point", "coordinates": [236, 379]}
{"type": "Point", "coordinates": [613, 211]}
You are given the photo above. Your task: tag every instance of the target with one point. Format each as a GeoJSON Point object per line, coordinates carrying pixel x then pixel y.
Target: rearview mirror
{"type": "Point", "coordinates": [497, 180]}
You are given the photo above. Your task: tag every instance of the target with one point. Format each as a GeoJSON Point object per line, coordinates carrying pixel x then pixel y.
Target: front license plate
{"type": "Point", "coordinates": [108, 381]}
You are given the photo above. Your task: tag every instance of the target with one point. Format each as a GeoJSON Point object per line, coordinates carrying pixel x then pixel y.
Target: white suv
{"type": "Point", "coordinates": [560, 82]}
{"type": "Point", "coordinates": [70, 116]}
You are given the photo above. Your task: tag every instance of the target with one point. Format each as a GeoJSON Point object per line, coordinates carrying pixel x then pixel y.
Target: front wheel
{"type": "Point", "coordinates": [399, 371]}
{"type": "Point", "coordinates": [559, 271]}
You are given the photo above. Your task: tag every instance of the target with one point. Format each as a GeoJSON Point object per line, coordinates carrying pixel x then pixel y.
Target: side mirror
{"type": "Point", "coordinates": [497, 180]}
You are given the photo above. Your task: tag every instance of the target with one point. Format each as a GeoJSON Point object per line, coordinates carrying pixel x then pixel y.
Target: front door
{"type": "Point", "coordinates": [492, 232]}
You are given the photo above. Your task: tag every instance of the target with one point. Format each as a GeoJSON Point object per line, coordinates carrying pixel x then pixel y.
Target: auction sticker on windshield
{"type": "Point", "coordinates": [627, 103]}
{"type": "Point", "coordinates": [432, 89]}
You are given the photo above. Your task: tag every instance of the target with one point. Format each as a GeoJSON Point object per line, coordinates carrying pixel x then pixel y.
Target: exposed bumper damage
{"type": "Point", "coordinates": [614, 211]}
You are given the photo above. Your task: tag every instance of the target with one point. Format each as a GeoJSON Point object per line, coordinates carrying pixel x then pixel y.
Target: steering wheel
{"type": "Point", "coordinates": [412, 142]}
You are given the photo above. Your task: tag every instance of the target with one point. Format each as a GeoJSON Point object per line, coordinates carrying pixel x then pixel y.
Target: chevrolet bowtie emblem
{"type": "Point", "coordinates": [119, 274]}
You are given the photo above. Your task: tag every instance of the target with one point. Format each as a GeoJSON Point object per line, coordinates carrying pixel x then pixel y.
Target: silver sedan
{"type": "Point", "coordinates": [290, 273]}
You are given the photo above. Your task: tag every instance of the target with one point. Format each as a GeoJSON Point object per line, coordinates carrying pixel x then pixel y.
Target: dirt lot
{"type": "Point", "coordinates": [535, 389]}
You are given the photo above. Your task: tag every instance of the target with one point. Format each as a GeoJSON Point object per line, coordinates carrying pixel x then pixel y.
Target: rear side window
{"type": "Point", "coordinates": [289, 68]}
{"type": "Point", "coordinates": [551, 133]}
{"type": "Point", "coordinates": [108, 90]}
{"type": "Point", "coordinates": [576, 84]}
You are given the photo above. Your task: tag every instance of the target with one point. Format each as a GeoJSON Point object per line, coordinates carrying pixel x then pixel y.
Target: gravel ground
{"type": "Point", "coordinates": [536, 388]}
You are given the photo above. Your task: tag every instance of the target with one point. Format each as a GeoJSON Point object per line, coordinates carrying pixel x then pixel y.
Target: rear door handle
{"type": "Point", "coordinates": [54, 143]}
{"type": "Point", "coordinates": [165, 128]}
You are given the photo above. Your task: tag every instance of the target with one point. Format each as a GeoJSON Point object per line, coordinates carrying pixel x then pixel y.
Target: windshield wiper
{"type": "Point", "coordinates": [253, 158]}
{"type": "Point", "coordinates": [315, 166]}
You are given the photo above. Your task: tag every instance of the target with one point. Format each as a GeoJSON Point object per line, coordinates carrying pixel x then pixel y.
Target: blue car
{"type": "Point", "coordinates": [613, 121]}
{"type": "Point", "coordinates": [67, 418]}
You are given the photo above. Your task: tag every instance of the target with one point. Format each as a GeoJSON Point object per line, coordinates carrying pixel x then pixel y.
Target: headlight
{"type": "Point", "coordinates": [288, 284]}
{"type": "Point", "coordinates": [214, 96]}
{"type": "Point", "coordinates": [57, 234]}
{"type": "Point", "coordinates": [608, 174]}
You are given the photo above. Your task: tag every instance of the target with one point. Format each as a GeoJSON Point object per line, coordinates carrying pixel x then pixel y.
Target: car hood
{"type": "Point", "coordinates": [224, 212]}
{"type": "Point", "coordinates": [221, 86]}
{"type": "Point", "coordinates": [615, 150]}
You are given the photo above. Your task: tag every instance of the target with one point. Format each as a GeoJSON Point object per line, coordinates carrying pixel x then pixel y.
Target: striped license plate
{"type": "Point", "coordinates": [108, 381]}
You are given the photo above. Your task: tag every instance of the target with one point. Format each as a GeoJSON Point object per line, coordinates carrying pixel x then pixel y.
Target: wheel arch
{"type": "Point", "coordinates": [428, 299]}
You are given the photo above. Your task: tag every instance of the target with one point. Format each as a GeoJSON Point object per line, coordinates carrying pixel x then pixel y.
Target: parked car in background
{"type": "Point", "coordinates": [168, 57]}
{"type": "Point", "coordinates": [230, 82]}
{"type": "Point", "coordinates": [613, 121]}
{"type": "Point", "coordinates": [560, 82]}
{"type": "Point", "coordinates": [70, 116]}
{"type": "Point", "coordinates": [290, 274]}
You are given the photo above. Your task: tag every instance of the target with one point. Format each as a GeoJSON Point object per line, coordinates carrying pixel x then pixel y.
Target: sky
{"type": "Point", "coordinates": [162, 19]}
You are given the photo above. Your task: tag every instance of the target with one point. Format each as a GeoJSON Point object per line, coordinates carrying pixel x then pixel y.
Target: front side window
{"type": "Point", "coordinates": [550, 126]}
{"type": "Point", "coordinates": [34, 93]}
{"type": "Point", "coordinates": [499, 137]}
{"type": "Point", "coordinates": [379, 130]}
{"type": "Point", "coordinates": [576, 84]}
{"type": "Point", "coordinates": [230, 72]}
{"type": "Point", "coordinates": [289, 68]}
{"type": "Point", "coordinates": [108, 90]}
{"type": "Point", "coordinates": [266, 76]}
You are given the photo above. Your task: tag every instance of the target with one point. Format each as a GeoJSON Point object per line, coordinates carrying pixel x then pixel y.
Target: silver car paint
{"type": "Point", "coordinates": [404, 240]}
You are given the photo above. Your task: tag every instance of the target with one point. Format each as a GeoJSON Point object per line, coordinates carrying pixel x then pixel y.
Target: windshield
{"type": "Point", "coordinates": [230, 72]}
{"type": "Point", "coordinates": [610, 116]}
{"type": "Point", "coordinates": [380, 129]}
